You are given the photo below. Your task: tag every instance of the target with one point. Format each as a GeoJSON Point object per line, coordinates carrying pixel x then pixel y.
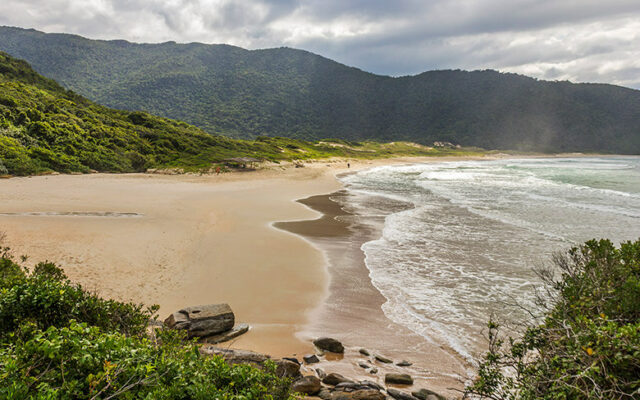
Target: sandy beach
{"type": "Point", "coordinates": [182, 240]}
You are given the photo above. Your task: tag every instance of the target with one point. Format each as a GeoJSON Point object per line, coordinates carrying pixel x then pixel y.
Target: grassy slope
{"type": "Point", "coordinates": [286, 92]}
{"type": "Point", "coordinates": [44, 127]}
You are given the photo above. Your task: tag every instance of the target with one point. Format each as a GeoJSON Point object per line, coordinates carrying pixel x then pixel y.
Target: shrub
{"type": "Point", "coordinates": [588, 345]}
{"type": "Point", "coordinates": [82, 362]}
{"type": "Point", "coordinates": [47, 298]}
{"type": "Point", "coordinates": [58, 341]}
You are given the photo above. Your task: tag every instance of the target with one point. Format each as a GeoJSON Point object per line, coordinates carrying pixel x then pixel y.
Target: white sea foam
{"type": "Point", "coordinates": [467, 245]}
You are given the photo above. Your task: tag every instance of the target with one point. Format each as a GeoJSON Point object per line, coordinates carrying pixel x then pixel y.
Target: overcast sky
{"type": "Point", "coordinates": [578, 40]}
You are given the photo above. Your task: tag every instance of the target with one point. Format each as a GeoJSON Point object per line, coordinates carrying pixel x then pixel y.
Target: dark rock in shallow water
{"type": "Point", "coordinates": [329, 344]}
{"type": "Point", "coordinates": [404, 363]}
{"type": "Point", "coordinates": [307, 385]}
{"type": "Point", "coordinates": [287, 369]}
{"type": "Point", "coordinates": [398, 379]}
{"type": "Point", "coordinates": [373, 371]}
{"type": "Point", "coordinates": [311, 359]}
{"type": "Point", "coordinates": [426, 394]}
{"type": "Point", "coordinates": [364, 365]}
{"type": "Point", "coordinates": [320, 372]}
{"type": "Point", "coordinates": [364, 352]}
{"type": "Point", "coordinates": [201, 321]}
{"type": "Point", "coordinates": [398, 395]}
{"type": "Point", "coordinates": [334, 379]}
{"type": "Point", "coordinates": [226, 336]}
{"type": "Point", "coordinates": [383, 359]}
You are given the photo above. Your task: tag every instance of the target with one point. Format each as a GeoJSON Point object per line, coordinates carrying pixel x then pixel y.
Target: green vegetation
{"type": "Point", "coordinates": [588, 346]}
{"type": "Point", "coordinates": [44, 127]}
{"type": "Point", "coordinates": [285, 92]}
{"type": "Point", "coordinates": [58, 341]}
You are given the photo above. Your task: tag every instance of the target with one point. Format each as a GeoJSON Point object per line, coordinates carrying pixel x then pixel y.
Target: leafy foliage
{"type": "Point", "coordinates": [44, 127]}
{"type": "Point", "coordinates": [588, 346]}
{"type": "Point", "coordinates": [58, 341]}
{"type": "Point", "coordinates": [285, 92]}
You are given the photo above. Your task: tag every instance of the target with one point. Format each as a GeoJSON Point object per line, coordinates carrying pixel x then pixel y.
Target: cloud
{"type": "Point", "coordinates": [578, 40]}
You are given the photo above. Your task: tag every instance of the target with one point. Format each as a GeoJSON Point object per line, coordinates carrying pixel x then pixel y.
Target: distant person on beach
{"type": "Point", "coordinates": [348, 165]}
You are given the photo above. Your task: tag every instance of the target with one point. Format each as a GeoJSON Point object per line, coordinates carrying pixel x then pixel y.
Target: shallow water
{"type": "Point", "coordinates": [460, 239]}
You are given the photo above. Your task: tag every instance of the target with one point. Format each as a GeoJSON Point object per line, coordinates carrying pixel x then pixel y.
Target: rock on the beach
{"type": "Point", "coordinates": [398, 395]}
{"type": "Point", "coordinates": [363, 365]}
{"type": "Point", "coordinates": [311, 359]}
{"type": "Point", "coordinates": [364, 352]}
{"type": "Point", "coordinates": [426, 394]}
{"type": "Point", "coordinates": [404, 363]}
{"type": "Point", "coordinates": [334, 379]}
{"type": "Point", "coordinates": [287, 369]}
{"type": "Point", "coordinates": [307, 385]}
{"type": "Point", "coordinates": [329, 344]}
{"type": "Point", "coordinates": [235, 356]}
{"type": "Point", "coordinates": [398, 379]}
{"type": "Point", "coordinates": [228, 335]}
{"type": "Point", "coordinates": [373, 371]}
{"type": "Point", "coordinates": [367, 394]}
{"type": "Point", "coordinates": [324, 394]}
{"type": "Point", "coordinates": [205, 320]}
{"type": "Point", "coordinates": [383, 359]}
{"type": "Point", "coordinates": [320, 372]}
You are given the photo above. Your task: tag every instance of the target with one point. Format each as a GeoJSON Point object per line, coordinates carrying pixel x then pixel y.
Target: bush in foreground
{"type": "Point", "coordinates": [588, 345]}
{"type": "Point", "coordinates": [58, 341]}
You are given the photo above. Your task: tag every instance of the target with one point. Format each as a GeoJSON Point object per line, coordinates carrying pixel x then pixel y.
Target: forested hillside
{"type": "Point", "coordinates": [286, 92]}
{"type": "Point", "coordinates": [44, 127]}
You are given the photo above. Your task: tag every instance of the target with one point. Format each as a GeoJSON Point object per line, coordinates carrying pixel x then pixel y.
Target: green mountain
{"type": "Point", "coordinates": [44, 127]}
{"type": "Point", "coordinates": [286, 92]}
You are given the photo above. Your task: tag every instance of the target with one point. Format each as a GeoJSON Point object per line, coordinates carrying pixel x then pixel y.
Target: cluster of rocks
{"type": "Point", "coordinates": [211, 323]}
{"type": "Point", "coordinates": [215, 323]}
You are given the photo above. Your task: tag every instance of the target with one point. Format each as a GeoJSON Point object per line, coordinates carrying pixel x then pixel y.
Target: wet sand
{"type": "Point", "coordinates": [352, 310]}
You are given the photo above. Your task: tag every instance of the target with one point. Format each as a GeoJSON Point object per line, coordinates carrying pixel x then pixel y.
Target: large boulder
{"type": "Point", "coordinates": [307, 385]}
{"type": "Point", "coordinates": [202, 321]}
{"type": "Point", "coordinates": [329, 344]}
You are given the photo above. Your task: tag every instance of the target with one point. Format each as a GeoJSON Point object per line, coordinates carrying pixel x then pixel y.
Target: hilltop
{"type": "Point", "coordinates": [287, 92]}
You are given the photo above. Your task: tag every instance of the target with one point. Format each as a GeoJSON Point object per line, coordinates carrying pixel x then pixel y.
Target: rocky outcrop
{"type": "Point", "coordinates": [307, 385]}
{"type": "Point", "coordinates": [398, 379]}
{"type": "Point", "coordinates": [211, 323]}
{"type": "Point", "coordinates": [329, 344]}
{"type": "Point", "coordinates": [404, 363]}
{"type": "Point", "coordinates": [202, 321]}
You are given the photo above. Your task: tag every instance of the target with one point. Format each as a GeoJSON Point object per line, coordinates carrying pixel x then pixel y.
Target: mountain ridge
{"type": "Point", "coordinates": [241, 93]}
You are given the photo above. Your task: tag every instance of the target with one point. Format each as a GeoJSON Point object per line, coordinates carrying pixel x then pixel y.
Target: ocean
{"type": "Point", "coordinates": [460, 240]}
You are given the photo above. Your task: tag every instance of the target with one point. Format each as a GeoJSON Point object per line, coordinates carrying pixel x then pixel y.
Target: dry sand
{"type": "Point", "coordinates": [185, 240]}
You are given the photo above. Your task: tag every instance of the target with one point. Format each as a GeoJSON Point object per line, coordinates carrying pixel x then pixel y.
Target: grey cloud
{"type": "Point", "coordinates": [582, 40]}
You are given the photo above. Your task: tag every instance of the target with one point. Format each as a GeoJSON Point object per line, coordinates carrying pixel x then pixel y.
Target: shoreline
{"type": "Point", "coordinates": [185, 240]}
